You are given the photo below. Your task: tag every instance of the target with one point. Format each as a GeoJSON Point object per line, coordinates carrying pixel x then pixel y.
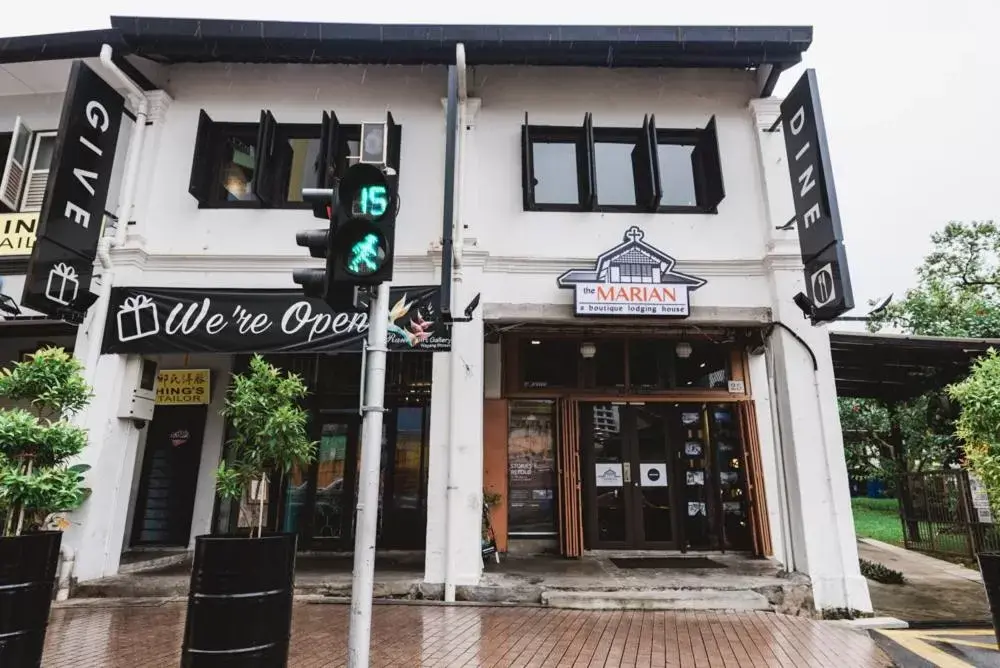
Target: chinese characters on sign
{"type": "Point", "coordinates": [176, 387]}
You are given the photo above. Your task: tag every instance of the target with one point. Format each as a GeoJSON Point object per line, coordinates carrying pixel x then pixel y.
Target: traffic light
{"type": "Point", "coordinates": [315, 282]}
{"type": "Point", "coordinates": [365, 227]}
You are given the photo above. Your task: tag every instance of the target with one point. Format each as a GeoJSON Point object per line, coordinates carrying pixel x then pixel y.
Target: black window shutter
{"type": "Point", "coordinates": [394, 135]}
{"type": "Point", "coordinates": [654, 148]}
{"type": "Point", "coordinates": [202, 165]}
{"type": "Point", "coordinates": [706, 162]}
{"type": "Point", "coordinates": [321, 168]}
{"type": "Point", "coordinates": [263, 163]}
{"type": "Point", "coordinates": [527, 174]}
{"type": "Point", "coordinates": [586, 165]}
{"type": "Point", "coordinates": [647, 191]}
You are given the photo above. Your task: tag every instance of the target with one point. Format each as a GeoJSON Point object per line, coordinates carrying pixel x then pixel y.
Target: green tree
{"type": "Point", "coordinates": [957, 295]}
{"type": "Point", "coordinates": [958, 287]}
{"type": "Point", "coordinates": [978, 424]}
{"type": "Point", "coordinates": [36, 442]}
{"type": "Point", "coordinates": [269, 432]}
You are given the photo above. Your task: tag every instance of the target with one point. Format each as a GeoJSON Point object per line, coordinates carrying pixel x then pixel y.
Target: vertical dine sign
{"type": "Point", "coordinates": [72, 215]}
{"type": "Point", "coordinates": [817, 215]}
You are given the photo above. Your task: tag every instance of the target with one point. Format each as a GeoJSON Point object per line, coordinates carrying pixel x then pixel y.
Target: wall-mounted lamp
{"type": "Point", "coordinates": [588, 350]}
{"type": "Point", "coordinates": [683, 350]}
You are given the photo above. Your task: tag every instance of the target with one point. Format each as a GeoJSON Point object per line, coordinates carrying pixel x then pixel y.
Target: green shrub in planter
{"type": "Point", "coordinates": [36, 442]}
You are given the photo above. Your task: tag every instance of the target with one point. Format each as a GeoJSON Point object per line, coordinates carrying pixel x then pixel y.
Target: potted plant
{"type": "Point", "coordinates": [240, 603]}
{"type": "Point", "coordinates": [978, 426]}
{"type": "Point", "coordinates": [36, 441]}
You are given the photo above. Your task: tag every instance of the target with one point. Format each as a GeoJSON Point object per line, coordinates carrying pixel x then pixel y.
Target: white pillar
{"type": "Point", "coordinates": [808, 441]}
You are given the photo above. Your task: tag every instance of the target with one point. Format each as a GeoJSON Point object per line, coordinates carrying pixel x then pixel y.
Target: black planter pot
{"type": "Point", "coordinates": [28, 566]}
{"type": "Point", "coordinates": [240, 605]}
{"type": "Point", "coordinates": [989, 566]}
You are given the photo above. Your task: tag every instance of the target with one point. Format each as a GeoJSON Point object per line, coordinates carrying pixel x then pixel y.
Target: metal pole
{"type": "Point", "coordinates": [359, 638]}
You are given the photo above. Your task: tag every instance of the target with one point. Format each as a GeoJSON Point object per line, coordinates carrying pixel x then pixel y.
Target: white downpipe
{"type": "Point", "coordinates": [454, 367]}
{"type": "Point", "coordinates": [126, 199]}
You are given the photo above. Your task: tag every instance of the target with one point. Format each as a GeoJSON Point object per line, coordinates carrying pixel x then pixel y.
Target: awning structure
{"type": "Point", "coordinates": [896, 367]}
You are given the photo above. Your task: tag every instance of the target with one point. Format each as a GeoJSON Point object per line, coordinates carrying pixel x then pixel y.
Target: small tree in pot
{"type": "Point", "coordinates": [978, 426]}
{"type": "Point", "coordinates": [36, 441]}
{"type": "Point", "coordinates": [240, 603]}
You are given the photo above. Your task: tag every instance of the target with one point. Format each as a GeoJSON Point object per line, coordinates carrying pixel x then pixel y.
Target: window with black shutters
{"type": "Point", "coordinates": [642, 169]}
{"type": "Point", "coordinates": [267, 164]}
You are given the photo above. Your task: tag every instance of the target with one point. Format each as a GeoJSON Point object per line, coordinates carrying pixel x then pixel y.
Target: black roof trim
{"type": "Point", "coordinates": [57, 46]}
{"type": "Point", "coordinates": [174, 40]}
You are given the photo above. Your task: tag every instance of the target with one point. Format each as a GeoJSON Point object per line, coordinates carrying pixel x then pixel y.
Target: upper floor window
{"type": "Point", "coordinates": [27, 160]}
{"type": "Point", "coordinates": [266, 164]}
{"type": "Point", "coordinates": [621, 169]}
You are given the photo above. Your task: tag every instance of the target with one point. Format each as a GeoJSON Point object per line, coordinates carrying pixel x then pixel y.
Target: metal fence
{"type": "Point", "coordinates": [939, 515]}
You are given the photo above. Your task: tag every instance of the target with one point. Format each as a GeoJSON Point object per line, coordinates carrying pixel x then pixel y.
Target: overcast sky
{"type": "Point", "coordinates": [909, 92]}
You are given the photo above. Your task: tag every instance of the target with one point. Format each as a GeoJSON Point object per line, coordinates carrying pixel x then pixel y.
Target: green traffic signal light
{"type": "Point", "coordinates": [371, 201]}
{"type": "Point", "coordinates": [366, 256]}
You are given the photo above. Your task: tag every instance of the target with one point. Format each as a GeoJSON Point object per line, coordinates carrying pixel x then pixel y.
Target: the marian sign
{"type": "Point", "coordinates": [165, 320]}
{"type": "Point", "coordinates": [632, 279]}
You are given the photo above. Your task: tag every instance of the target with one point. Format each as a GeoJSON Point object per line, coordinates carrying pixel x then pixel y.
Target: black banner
{"type": "Point", "coordinates": [69, 224]}
{"type": "Point", "coordinates": [166, 320]}
{"type": "Point", "coordinates": [816, 212]}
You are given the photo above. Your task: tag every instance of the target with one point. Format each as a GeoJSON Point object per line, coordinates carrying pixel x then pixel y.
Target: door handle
{"type": "Point", "coordinates": [627, 471]}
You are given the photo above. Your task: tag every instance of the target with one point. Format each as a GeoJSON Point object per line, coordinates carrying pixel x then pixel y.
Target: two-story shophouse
{"type": "Point", "coordinates": [636, 374]}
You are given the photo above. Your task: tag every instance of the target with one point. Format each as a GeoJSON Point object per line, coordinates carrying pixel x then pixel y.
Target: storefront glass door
{"type": "Point", "coordinates": [627, 476]}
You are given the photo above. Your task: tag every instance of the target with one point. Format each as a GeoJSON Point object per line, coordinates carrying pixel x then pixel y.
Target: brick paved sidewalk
{"type": "Point", "coordinates": [149, 636]}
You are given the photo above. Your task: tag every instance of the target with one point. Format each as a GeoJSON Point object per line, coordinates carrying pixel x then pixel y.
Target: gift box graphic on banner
{"type": "Point", "coordinates": [137, 318]}
{"type": "Point", "coordinates": [63, 284]}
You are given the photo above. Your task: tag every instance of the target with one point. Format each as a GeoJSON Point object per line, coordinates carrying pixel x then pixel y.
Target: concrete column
{"type": "Point", "coordinates": [808, 444]}
{"type": "Point", "coordinates": [458, 393]}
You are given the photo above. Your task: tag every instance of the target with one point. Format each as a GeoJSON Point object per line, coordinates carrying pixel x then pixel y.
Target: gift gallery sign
{"type": "Point", "coordinates": [164, 320]}
{"type": "Point", "coordinates": [69, 224]}
{"type": "Point", "coordinates": [631, 279]}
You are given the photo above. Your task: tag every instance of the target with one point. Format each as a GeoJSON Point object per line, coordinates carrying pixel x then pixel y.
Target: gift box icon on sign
{"type": "Point", "coordinates": [63, 284]}
{"type": "Point", "coordinates": [137, 318]}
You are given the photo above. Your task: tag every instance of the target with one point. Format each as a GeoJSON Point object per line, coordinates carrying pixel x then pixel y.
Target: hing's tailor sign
{"type": "Point", "coordinates": [164, 320]}
{"type": "Point", "coordinates": [817, 215]}
{"type": "Point", "coordinates": [631, 279]}
{"type": "Point", "coordinates": [69, 224]}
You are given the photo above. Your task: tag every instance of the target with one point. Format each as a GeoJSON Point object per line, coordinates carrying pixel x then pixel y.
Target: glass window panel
{"type": "Point", "coordinates": [554, 165]}
{"type": "Point", "coordinates": [649, 363]}
{"type": "Point", "coordinates": [531, 468]}
{"type": "Point", "coordinates": [236, 171]}
{"type": "Point", "coordinates": [707, 366]}
{"type": "Point", "coordinates": [21, 144]}
{"type": "Point", "coordinates": [331, 456]}
{"type": "Point", "coordinates": [46, 146]}
{"type": "Point", "coordinates": [677, 175]}
{"type": "Point", "coordinates": [615, 182]}
{"type": "Point", "coordinates": [609, 364]}
{"type": "Point", "coordinates": [406, 471]}
{"type": "Point", "coordinates": [301, 174]}
{"type": "Point", "coordinates": [605, 422]}
{"type": "Point", "coordinates": [549, 362]}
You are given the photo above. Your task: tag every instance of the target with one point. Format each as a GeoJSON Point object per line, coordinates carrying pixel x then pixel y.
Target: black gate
{"type": "Point", "coordinates": [940, 516]}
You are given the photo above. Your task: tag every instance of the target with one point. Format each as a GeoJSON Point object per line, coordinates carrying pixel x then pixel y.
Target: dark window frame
{"type": "Point", "coordinates": [706, 165]}
{"type": "Point", "coordinates": [210, 147]}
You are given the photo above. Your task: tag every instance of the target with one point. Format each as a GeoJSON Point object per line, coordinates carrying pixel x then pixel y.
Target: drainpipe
{"type": "Point", "coordinates": [125, 201]}
{"type": "Point", "coordinates": [454, 367]}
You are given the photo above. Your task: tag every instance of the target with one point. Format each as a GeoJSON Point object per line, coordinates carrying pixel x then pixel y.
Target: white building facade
{"type": "Point", "coordinates": [636, 375]}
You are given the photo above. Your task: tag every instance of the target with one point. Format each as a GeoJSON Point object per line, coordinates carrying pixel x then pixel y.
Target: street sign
{"type": "Point", "coordinates": [828, 284]}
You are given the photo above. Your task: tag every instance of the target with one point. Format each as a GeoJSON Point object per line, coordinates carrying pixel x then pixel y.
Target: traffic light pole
{"type": "Point", "coordinates": [359, 638]}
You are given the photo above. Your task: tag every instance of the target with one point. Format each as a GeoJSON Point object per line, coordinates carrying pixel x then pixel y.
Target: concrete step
{"type": "Point", "coordinates": [667, 599]}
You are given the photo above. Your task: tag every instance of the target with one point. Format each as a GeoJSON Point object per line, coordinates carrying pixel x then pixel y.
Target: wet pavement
{"type": "Point", "coordinates": [147, 634]}
{"type": "Point", "coordinates": [935, 591]}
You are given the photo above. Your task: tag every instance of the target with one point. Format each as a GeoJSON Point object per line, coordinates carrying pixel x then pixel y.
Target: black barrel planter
{"type": "Point", "coordinates": [240, 605]}
{"type": "Point", "coordinates": [989, 566]}
{"type": "Point", "coordinates": [28, 566]}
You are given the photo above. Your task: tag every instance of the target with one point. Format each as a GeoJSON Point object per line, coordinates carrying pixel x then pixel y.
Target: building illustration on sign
{"type": "Point", "coordinates": [632, 279]}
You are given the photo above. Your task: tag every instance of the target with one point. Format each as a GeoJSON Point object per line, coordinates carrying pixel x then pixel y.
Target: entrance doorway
{"type": "Point", "coordinates": [629, 464]}
{"type": "Point", "coordinates": [169, 477]}
{"type": "Point", "coordinates": [663, 476]}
